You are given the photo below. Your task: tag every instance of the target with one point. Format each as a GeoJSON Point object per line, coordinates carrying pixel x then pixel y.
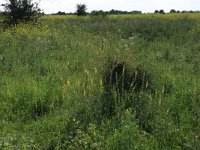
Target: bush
{"type": "Point", "coordinates": [20, 11]}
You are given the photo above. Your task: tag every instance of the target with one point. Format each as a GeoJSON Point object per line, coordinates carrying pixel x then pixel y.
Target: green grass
{"type": "Point", "coordinates": [52, 92]}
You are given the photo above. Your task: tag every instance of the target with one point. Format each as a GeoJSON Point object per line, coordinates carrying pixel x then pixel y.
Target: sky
{"type": "Point", "coordinates": [53, 6]}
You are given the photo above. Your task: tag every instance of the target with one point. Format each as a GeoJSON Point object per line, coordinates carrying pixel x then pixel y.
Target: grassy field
{"type": "Point", "coordinates": [52, 90]}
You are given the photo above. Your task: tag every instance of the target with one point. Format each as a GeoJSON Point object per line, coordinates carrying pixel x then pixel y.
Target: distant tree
{"type": "Point", "coordinates": [197, 11]}
{"type": "Point", "coordinates": [161, 11]}
{"type": "Point", "coordinates": [20, 11]}
{"type": "Point", "coordinates": [81, 9]}
{"type": "Point", "coordinates": [99, 13]}
{"type": "Point", "coordinates": [184, 11]}
{"type": "Point", "coordinates": [172, 11]}
{"type": "Point", "coordinates": [156, 11]}
{"type": "Point", "coordinates": [60, 13]}
{"type": "Point", "coordinates": [116, 12]}
{"type": "Point", "coordinates": [136, 12]}
{"type": "Point", "coordinates": [191, 11]}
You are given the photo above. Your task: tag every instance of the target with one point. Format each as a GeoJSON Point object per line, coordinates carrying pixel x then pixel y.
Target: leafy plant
{"type": "Point", "coordinates": [81, 10]}
{"type": "Point", "coordinates": [20, 11]}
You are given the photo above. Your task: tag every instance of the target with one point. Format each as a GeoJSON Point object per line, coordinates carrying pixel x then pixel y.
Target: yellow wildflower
{"type": "Point", "coordinates": [68, 83]}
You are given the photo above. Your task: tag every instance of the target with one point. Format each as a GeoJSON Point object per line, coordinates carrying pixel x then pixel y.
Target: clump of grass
{"type": "Point", "coordinates": [118, 79]}
{"type": "Point", "coordinates": [41, 108]}
{"type": "Point", "coordinates": [119, 76]}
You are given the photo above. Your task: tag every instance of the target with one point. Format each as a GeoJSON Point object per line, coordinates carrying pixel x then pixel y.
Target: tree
{"type": "Point", "coordinates": [20, 11]}
{"type": "Point", "coordinates": [99, 13]}
{"type": "Point", "coordinates": [81, 10]}
{"type": "Point", "coordinates": [172, 11]}
{"type": "Point", "coordinates": [60, 13]}
{"type": "Point", "coordinates": [161, 11]}
{"type": "Point", "coordinates": [136, 12]}
{"type": "Point", "coordinates": [156, 11]}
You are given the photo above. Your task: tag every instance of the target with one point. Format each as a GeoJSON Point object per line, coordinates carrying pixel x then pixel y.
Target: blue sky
{"type": "Point", "coordinates": [52, 6]}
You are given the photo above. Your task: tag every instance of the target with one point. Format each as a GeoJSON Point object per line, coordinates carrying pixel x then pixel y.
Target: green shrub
{"type": "Point", "coordinates": [20, 11]}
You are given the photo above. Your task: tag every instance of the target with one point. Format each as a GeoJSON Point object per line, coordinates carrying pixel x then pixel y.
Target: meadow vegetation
{"type": "Point", "coordinates": [54, 93]}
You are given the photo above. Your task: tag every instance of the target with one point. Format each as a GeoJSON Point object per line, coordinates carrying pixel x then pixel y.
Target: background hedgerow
{"type": "Point", "coordinates": [53, 91]}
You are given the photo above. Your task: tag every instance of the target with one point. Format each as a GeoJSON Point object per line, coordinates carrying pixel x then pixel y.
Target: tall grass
{"type": "Point", "coordinates": [52, 92]}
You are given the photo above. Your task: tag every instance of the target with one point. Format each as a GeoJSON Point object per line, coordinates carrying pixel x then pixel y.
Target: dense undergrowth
{"type": "Point", "coordinates": [53, 93]}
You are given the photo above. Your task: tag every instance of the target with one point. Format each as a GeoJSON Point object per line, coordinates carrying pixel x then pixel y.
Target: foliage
{"type": "Point", "coordinates": [115, 12]}
{"type": "Point", "coordinates": [99, 13]}
{"type": "Point", "coordinates": [61, 13]}
{"type": "Point", "coordinates": [20, 11]}
{"type": "Point", "coordinates": [172, 11]}
{"type": "Point", "coordinates": [160, 11]}
{"type": "Point", "coordinates": [81, 10]}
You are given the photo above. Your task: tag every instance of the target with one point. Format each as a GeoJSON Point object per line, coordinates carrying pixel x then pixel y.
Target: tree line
{"type": "Point", "coordinates": [17, 11]}
{"type": "Point", "coordinates": [118, 12]}
{"type": "Point", "coordinates": [112, 12]}
{"type": "Point", "coordinates": [175, 11]}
